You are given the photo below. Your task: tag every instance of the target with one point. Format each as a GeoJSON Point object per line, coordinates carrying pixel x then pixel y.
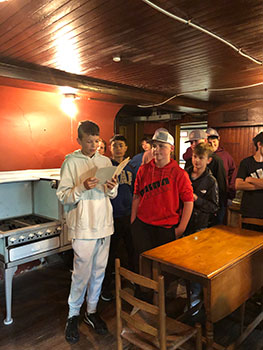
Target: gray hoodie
{"type": "Point", "coordinates": [88, 212]}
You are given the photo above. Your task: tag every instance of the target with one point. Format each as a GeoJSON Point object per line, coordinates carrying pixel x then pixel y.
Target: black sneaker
{"type": "Point", "coordinates": [96, 322]}
{"type": "Point", "coordinates": [71, 330]}
{"type": "Point", "coordinates": [106, 296]}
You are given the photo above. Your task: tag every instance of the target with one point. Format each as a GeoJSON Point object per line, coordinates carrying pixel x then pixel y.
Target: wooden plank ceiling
{"type": "Point", "coordinates": [64, 42]}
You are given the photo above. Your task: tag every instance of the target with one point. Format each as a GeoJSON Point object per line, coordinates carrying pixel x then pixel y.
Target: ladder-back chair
{"type": "Point", "coordinates": [147, 326]}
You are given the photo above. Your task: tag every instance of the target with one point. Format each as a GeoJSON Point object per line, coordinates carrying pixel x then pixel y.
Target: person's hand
{"type": "Point", "coordinates": [112, 183]}
{"type": "Point", "coordinates": [248, 179]}
{"type": "Point", "coordinates": [90, 183]}
{"type": "Point", "coordinates": [178, 232]}
{"type": "Point", "coordinates": [195, 197]}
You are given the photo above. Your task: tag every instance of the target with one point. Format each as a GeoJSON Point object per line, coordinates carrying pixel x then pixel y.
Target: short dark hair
{"type": "Point", "coordinates": [258, 138]}
{"type": "Point", "coordinates": [118, 137]}
{"type": "Point", "coordinates": [146, 139]}
{"type": "Point", "coordinates": [203, 148]}
{"type": "Point", "coordinates": [89, 128]}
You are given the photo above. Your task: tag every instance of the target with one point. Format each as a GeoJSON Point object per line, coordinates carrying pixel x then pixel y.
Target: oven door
{"type": "Point", "coordinates": [26, 250]}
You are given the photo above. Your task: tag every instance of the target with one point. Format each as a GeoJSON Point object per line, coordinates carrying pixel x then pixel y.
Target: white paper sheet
{"type": "Point", "coordinates": [104, 174]}
{"type": "Point", "coordinates": [107, 173]}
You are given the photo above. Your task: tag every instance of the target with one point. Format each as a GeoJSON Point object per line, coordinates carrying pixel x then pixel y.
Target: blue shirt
{"type": "Point", "coordinates": [123, 202]}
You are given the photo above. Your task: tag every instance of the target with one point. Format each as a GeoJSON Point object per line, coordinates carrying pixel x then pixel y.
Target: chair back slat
{"type": "Point", "coordinates": [252, 221]}
{"type": "Point", "coordinates": [142, 305]}
{"type": "Point", "coordinates": [139, 324]}
{"type": "Point", "coordinates": [138, 279]}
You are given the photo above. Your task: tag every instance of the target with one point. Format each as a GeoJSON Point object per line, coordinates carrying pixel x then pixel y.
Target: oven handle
{"type": "Point", "coordinates": [36, 248]}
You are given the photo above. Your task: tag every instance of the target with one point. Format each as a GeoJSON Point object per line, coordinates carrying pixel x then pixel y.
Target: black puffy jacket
{"type": "Point", "coordinates": [207, 203]}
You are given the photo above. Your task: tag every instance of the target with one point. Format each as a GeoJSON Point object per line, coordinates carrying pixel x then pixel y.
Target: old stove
{"type": "Point", "coordinates": [31, 222]}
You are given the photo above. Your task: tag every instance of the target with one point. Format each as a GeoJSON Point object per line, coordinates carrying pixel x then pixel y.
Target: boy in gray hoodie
{"type": "Point", "coordinates": [90, 224]}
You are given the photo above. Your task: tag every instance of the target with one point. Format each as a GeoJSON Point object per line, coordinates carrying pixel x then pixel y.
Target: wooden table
{"type": "Point", "coordinates": [226, 261]}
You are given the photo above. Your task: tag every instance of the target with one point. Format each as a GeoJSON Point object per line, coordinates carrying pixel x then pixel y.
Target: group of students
{"type": "Point", "coordinates": [147, 206]}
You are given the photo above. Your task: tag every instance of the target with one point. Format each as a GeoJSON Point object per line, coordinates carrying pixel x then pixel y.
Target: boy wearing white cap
{"type": "Point", "coordinates": [163, 198]}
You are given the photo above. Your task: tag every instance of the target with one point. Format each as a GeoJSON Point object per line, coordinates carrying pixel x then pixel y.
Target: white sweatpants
{"type": "Point", "coordinates": [90, 260]}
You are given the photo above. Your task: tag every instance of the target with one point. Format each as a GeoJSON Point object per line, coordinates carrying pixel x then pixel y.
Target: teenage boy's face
{"type": "Point", "coordinates": [200, 162]}
{"type": "Point", "coordinates": [161, 150]}
{"type": "Point", "coordinates": [118, 148]}
{"type": "Point", "coordinates": [89, 144]}
{"type": "Point", "coordinates": [214, 142]}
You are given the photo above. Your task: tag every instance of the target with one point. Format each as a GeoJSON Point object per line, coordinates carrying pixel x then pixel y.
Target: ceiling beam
{"type": "Point", "coordinates": [117, 92]}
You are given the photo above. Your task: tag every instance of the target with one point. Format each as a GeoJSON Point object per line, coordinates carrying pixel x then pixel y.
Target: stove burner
{"type": "Point", "coordinates": [21, 221]}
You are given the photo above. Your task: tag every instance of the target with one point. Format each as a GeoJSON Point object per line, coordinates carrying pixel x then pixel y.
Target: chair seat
{"type": "Point", "coordinates": [177, 333]}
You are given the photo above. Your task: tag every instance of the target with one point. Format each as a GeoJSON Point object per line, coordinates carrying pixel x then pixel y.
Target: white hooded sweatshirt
{"type": "Point", "coordinates": [88, 212]}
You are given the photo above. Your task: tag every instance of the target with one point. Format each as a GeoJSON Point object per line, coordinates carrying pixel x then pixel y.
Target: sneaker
{"type": "Point", "coordinates": [193, 304]}
{"type": "Point", "coordinates": [71, 330]}
{"type": "Point", "coordinates": [106, 296]}
{"type": "Point", "coordinates": [96, 322]}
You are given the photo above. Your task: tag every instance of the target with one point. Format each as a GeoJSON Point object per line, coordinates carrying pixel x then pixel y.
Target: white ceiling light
{"type": "Point", "coordinates": [116, 58]}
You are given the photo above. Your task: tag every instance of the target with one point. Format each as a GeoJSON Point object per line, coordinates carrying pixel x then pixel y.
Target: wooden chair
{"type": "Point", "coordinates": [258, 222]}
{"type": "Point", "coordinates": [147, 326]}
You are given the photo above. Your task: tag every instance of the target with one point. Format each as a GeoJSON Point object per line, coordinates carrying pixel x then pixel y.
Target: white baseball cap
{"type": "Point", "coordinates": [162, 135]}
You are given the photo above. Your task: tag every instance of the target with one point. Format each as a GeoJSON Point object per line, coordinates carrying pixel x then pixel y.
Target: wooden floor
{"type": "Point", "coordinates": [40, 311]}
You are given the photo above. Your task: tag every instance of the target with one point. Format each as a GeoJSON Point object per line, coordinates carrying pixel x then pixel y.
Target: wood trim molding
{"type": "Point", "coordinates": [117, 92]}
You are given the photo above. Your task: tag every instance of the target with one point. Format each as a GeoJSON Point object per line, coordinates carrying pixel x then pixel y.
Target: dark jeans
{"type": "Point", "coordinates": [121, 238]}
{"type": "Point", "coordinates": [219, 218]}
{"type": "Point", "coordinates": [145, 237]}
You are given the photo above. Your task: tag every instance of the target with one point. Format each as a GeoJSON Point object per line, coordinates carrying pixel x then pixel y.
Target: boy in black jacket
{"type": "Point", "coordinates": [205, 200]}
{"type": "Point", "coordinates": [216, 166]}
{"type": "Point", "coordinates": [205, 189]}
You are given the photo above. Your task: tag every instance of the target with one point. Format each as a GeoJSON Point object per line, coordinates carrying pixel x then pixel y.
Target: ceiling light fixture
{"type": "Point", "coordinates": [71, 96]}
{"type": "Point", "coordinates": [116, 58]}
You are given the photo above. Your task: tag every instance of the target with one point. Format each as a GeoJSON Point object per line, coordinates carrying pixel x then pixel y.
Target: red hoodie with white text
{"type": "Point", "coordinates": [162, 192]}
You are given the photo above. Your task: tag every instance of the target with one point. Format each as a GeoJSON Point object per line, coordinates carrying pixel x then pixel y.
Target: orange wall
{"type": "Point", "coordinates": [35, 133]}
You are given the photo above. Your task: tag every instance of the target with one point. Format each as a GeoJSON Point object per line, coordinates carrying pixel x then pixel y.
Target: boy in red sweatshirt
{"type": "Point", "coordinates": [163, 198]}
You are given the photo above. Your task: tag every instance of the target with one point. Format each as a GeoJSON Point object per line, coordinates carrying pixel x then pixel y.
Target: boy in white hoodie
{"type": "Point", "coordinates": [90, 225]}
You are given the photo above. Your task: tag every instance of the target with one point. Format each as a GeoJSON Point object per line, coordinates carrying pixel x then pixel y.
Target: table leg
{"type": "Point", "coordinates": [145, 267]}
{"type": "Point", "coordinates": [209, 323]}
{"type": "Point", "coordinates": [209, 335]}
{"type": "Point", "coordinates": [156, 271]}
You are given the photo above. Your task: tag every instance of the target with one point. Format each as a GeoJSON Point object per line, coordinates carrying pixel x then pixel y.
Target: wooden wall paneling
{"type": "Point", "coordinates": [238, 141]}
{"type": "Point", "coordinates": [138, 136]}
{"type": "Point", "coordinates": [233, 115]}
{"type": "Point", "coordinates": [129, 132]}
